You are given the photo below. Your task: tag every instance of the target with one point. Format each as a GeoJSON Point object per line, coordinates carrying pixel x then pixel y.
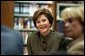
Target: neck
{"type": "Point", "coordinates": [46, 33]}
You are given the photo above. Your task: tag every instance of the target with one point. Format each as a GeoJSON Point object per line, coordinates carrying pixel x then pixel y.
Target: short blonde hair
{"type": "Point", "coordinates": [67, 13]}
{"type": "Point", "coordinates": [74, 13]}
{"type": "Point", "coordinates": [81, 12]}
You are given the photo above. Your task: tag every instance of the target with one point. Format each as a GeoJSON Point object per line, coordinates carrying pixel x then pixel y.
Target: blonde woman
{"type": "Point", "coordinates": [74, 26]}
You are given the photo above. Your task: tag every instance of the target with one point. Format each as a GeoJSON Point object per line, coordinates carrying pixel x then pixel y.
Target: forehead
{"type": "Point", "coordinates": [70, 16]}
{"type": "Point", "coordinates": [42, 17]}
{"type": "Point", "coordinates": [69, 13]}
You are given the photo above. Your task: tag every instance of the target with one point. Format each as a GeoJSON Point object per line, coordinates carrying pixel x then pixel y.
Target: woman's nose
{"type": "Point", "coordinates": [67, 24]}
{"type": "Point", "coordinates": [41, 23]}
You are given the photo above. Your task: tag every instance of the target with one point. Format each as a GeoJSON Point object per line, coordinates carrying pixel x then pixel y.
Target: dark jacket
{"type": "Point", "coordinates": [39, 45]}
{"type": "Point", "coordinates": [11, 42]}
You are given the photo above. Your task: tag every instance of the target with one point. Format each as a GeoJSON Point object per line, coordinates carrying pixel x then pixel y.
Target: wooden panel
{"type": "Point", "coordinates": [54, 16]}
{"type": "Point", "coordinates": [7, 13]}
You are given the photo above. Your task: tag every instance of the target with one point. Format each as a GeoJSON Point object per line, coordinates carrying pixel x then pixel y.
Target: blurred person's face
{"type": "Point", "coordinates": [73, 28]}
{"type": "Point", "coordinates": [43, 24]}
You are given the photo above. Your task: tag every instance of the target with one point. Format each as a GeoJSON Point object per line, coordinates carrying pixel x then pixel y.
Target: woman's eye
{"type": "Point", "coordinates": [38, 22]}
{"type": "Point", "coordinates": [43, 20]}
{"type": "Point", "coordinates": [70, 20]}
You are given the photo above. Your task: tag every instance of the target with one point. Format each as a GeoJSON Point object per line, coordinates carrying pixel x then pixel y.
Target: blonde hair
{"type": "Point", "coordinates": [67, 13]}
{"type": "Point", "coordinates": [74, 13]}
{"type": "Point", "coordinates": [81, 12]}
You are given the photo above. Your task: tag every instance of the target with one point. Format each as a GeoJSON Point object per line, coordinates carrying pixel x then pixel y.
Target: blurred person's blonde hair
{"type": "Point", "coordinates": [75, 13]}
{"type": "Point", "coordinates": [81, 12]}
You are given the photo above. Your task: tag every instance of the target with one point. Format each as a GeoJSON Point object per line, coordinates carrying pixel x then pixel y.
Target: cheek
{"type": "Point", "coordinates": [48, 25]}
{"type": "Point", "coordinates": [74, 27]}
{"type": "Point", "coordinates": [37, 25]}
{"type": "Point", "coordinates": [77, 28]}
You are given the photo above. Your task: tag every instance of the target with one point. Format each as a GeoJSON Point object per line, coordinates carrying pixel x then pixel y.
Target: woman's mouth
{"type": "Point", "coordinates": [42, 27]}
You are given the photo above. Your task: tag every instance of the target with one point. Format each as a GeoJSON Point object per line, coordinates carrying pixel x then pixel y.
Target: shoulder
{"type": "Point", "coordinates": [58, 34]}
{"type": "Point", "coordinates": [15, 34]}
{"type": "Point", "coordinates": [10, 34]}
{"type": "Point", "coordinates": [32, 35]}
{"type": "Point", "coordinates": [8, 31]}
{"type": "Point", "coordinates": [77, 48]}
{"type": "Point", "coordinates": [78, 45]}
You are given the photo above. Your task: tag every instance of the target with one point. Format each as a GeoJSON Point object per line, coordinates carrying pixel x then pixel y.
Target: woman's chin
{"type": "Point", "coordinates": [42, 31]}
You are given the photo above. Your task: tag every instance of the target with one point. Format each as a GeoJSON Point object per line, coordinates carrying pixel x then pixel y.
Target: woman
{"type": "Point", "coordinates": [74, 25]}
{"type": "Point", "coordinates": [44, 41]}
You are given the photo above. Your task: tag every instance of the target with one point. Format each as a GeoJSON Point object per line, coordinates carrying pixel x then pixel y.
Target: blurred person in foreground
{"type": "Point", "coordinates": [11, 40]}
{"type": "Point", "coordinates": [74, 26]}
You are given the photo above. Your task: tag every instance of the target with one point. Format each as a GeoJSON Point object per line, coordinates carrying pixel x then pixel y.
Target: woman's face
{"type": "Point", "coordinates": [73, 28]}
{"type": "Point", "coordinates": [42, 24]}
